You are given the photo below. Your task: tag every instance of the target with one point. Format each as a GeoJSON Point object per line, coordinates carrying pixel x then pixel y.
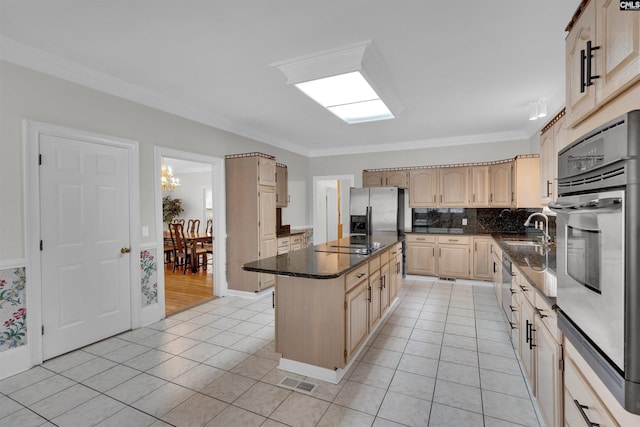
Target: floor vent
{"type": "Point", "coordinates": [447, 279]}
{"type": "Point", "coordinates": [298, 385]}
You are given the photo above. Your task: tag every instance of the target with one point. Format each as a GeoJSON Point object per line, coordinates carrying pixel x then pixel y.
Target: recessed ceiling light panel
{"type": "Point", "coordinates": [341, 80]}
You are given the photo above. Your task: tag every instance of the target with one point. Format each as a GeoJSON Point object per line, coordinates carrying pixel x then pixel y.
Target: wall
{"type": "Point", "coordinates": [191, 193]}
{"type": "Point", "coordinates": [28, 94]}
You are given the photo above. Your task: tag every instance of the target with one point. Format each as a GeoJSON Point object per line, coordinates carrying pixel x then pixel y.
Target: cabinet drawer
{"type": "Point", "coordinates": [295, 247]}
{"type": "Point", "coordinates": [356, 276]}
{"type": "Point", "coordinates": [455, 240]}
{"type": "Point", "coordinates": [374, 264]}
{"type": "Point", "coordinates": [283, 241]}
{"type": "Point", "coordinates": [527, 289]}
{"type": "Point", "coordinates": [580, 400]}
{"type": "Point", "coordinates": [384, 257]}
{"type": "Point", "coordinates": [549, 317]}
{"type": "Point", "coordinates": [420, 238]}
{"type": "Point", "coordinates": [296, 239]}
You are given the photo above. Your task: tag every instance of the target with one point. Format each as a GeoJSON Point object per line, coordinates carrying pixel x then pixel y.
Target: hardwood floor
{"type": "Point", "coordinates": [183, 291]}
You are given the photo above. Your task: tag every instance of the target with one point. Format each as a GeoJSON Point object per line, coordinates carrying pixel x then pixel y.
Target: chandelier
{"type": "Point", "coordinates": [169, 182]}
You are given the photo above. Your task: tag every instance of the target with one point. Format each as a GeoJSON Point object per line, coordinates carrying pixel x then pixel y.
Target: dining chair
{"type": "Point", "coordinates": [179, 221]}
{"type": "Point", "coordinates": [183, 251]}
{"type": "Point", "coordinates": [208, 245]}
{"type": "Point", "coordinates": [193, 226]}
{"type": "Point", "coordinates": [179, 248]}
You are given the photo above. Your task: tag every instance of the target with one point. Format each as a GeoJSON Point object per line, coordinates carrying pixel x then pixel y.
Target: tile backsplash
{"type": "Point", "coordinates": [481, 219]}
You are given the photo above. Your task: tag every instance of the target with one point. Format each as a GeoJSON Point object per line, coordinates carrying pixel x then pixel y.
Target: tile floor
{"type": "Point", "coordinates": [441, 358]}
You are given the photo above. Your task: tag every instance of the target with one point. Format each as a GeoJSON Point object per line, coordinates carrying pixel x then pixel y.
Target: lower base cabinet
{"type": "Point", "coordinates": [453, 261]}
{"type": "Point", "coordinates": [357, 317]}
{"type": "Point", "coordinates": [421, 255]}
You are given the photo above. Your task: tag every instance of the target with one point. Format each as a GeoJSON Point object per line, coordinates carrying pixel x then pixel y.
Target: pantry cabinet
{"type": "Point", "coordinates": [423, 188]}
{"type": "Point", "coordinates": [251, 218]}
{"type": "Point", "coordinates": [454, 187]}
{"type": "Point", "coordinates": [602, 57]}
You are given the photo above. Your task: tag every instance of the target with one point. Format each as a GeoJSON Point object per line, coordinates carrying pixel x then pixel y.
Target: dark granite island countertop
{"type": "Point", "coordinates": [325, 261]}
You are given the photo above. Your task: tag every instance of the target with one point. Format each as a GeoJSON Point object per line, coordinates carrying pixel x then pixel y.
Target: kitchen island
{"type": "Point", "coordinates": [330, 298]}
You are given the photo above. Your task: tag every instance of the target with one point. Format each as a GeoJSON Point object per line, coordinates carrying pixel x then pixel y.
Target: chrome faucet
{"type": "Point", "coordinates": [545, 231]}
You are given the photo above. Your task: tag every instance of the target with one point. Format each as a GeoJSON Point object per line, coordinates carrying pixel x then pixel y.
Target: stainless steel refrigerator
{"type": "Point", "coordinates": [376, 209]}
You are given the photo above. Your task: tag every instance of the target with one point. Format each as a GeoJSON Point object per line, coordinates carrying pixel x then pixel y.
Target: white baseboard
{"type": "Point", "coordinates": [249, 295]}
{"type": "Point", "coordinates": [14, 361]}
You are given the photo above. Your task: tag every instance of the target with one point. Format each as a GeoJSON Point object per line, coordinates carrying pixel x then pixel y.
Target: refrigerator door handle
{"type": "Point", "coordinates": [369, 228]}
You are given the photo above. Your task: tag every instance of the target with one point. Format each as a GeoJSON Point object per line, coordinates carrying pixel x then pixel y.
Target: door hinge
{"type": "Point", "coordinates": [42, 329]}
{"type": "Point", "coordinates": [345, 354]}
{"type": "Point", "coordinates": [41, 245]}
{"type": "Point", "coordinates": [561, 365]}
{"type": "Point", "coordinates": [345, 305]}
{"type": "Point", "coordinates": [39, 159]}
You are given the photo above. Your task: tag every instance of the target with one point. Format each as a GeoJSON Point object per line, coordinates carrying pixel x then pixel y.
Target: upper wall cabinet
{"type": "Point", "coordinates": [525, 182]}
{"type": "Point", "coordinates": [389, 178]}
{"type": "Point", "coordinates": [479, 179]}
{"type": "Point", "coordinates": [552, 139]}
{"type": "Point", "coordinates": [501, 194]}
{"type": "Point", "coordinates": [282, 186]}
{"type": "Point", "coordinates": [423, 188]}
{"type": "Point", "coordinates": [603, 57]}
{"type": "Point", "coordinates": [454, 187]}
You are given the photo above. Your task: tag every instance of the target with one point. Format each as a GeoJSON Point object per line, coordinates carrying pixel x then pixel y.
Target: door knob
{"type": "Point", "coordinates": [125, 250]}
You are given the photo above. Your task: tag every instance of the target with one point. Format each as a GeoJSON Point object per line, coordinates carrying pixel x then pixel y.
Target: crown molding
{"type": "Point", "coordinates": [38, 60]}
{"type": "Point", "coordinates": [424, 143]}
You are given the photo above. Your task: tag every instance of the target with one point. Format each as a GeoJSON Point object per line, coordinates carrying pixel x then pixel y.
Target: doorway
{"type": "Point", "coordinates": [188, 183]}
{"type": "Point", "coordinates": [331, 207]}
{"type": "Point", "coordinates": [200, 189]}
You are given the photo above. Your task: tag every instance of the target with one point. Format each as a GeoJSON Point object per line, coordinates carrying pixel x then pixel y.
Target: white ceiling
{"type": "Point", "coordinates": [465, 70]}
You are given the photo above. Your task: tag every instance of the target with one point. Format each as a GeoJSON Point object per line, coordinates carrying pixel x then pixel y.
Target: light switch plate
{"type": "Point", "coordinates": [145, 231]}
{"type": "Point", "coordinates": [464, 221]}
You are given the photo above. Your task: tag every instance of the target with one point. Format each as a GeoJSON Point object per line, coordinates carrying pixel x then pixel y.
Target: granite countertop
{"type": "Point", "coordinates": [440, 230]}
{"type": "Point", "coordinates": [290, 233]}
{"type": "Point", "coordinates": [537, 266]}
{"type": "Point", "coordinates": [325, 261]}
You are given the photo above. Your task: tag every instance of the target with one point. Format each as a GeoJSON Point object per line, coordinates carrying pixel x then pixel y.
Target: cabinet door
{"type": "Point", "coordinates": [423, 188]}
{"type": "Point", "coordinates": [479, 176]}
{"type": "Point", "coordinates": [421, 259]}
{"type": "Point", "coordinates": [357, 309]}
{"type": "Point", "coordinates": [372, 179]}
{"type": "Point", "coordinates": [266, 171]}
{"type": "Point", "coordinates": [548, 382]}
{"type": "Point", "coordinates": [618, 35]}
{"type": "Point", "coordinates": [501, 195]}
{"type": "Point", "coordinates": [547, 170]}
{"type": "Point", "coordinates": [395, 179]}
{"type": "Point", "coordinates": [282, 186]}
{"type": "Point", "coordinates": [454, 187]}
{"type": "Point", "coordinates": [267, 230]}
{"type": "Point", "coordinates": [374, 298]}
{"type": "Point", "coordinates": [581, 100]}
{"type": "Point", "coordinates": [454, 261]}
{"type": "Point", "coordinates": [527, 340]}
{"type": "Point", "coordinates": [385, 288]}
{"type": "Point", "coordinates": [482, 260]}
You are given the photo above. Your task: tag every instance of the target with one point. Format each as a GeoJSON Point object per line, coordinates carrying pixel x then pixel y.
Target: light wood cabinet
{"type": "Point", "coordinates": [395, 271]}
{"type": "Point", "coordinates": [421, 255]}
{"type": "Point", "coordinates": [357, 317]}
{"type": "Point", "coordinates": [453, 257]}
{"type": "Point", "coordinates": [423, 188]}
{"type": "Point", "coordinates": [501, 192]}
{"type": "Point", "coordinates": [479, 179]}
{"type": "Point", "coordinates": [497, 270]}
{"type": "Point", "coordinates": [548, 383]}
{"type": "Point", "coordinates": [385, 283]}
{"type": "Point", "coordinates": [251, 218]}
{"type": "Point", "coordinates": [454, 186]}
{"type": "Point", "coordinates": [526, 179]}
{"type": "Point", "coordinates": [388, 178]}
{"type": "Point", "coordinates": [604, 43]}
{"type": "Point", "coordinates": [374, 298]}
{"type": "Point", "coordinates": [482, 260]}
{"type": "Point", "coordinates": [282, 186]}
{"type": "Point", "coordinates": [284, 244]}
{"type": "Point", "coordinates": [552, 139]}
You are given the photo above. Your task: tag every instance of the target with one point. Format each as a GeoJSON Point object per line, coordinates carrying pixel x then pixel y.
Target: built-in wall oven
{"type": "Point", "coordinates": [598, 252]}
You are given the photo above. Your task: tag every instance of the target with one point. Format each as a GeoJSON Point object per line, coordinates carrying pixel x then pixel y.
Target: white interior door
{"type": "Point", "coordinates": [332, 213]}
{"type": "Point", "coordinates": [84, 202]}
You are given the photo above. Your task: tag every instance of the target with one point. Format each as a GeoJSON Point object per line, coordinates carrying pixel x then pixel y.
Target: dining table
{"type": "Point", "coordinates": [192, 238]}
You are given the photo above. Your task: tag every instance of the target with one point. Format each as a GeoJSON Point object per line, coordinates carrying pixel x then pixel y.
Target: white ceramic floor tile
{"type": "Point", "coordinates": [201, 352]}
{"type": "Point", "coordinates": [172, 368]}
{"type": "Point", "coordinates": [90, 413]}
{"type": "Point", "coordinates": [447, 416]}
{"type": "Point", "coordinates": [513, 385]}
{"type": "Point", "coordinates": [8, 406]}
{"type": "Point", "coordinates": [373, 375]}
{"type": "Point", "coordinates": [110, 378]}
{"type": "Point", "coordinates": [461, 374]}
{"type": "Point", "coordinates": [262, 398]}
{"type": "Point", "coordinates": [234, 416]}
{"type": "Point", "coordinates": [413, 385]}
{"type": "Point", "coordinates": [68, 361]}
{"type": "Point", "coordinates": [199, 377]}
{"type": "Point", "coordinates": [227, 359]}
{"type": "Point", "coordinates": [459, 356]}
{"type": "Point", "coordinates": [405, 409]}
{"type": "Point", "coordinates": [128, 417]}
{"type": "Point", "coordinates": [509, 408]}
{"type": "Point", "coordinates": [381, 357]}
{"type": "Point", "coordinates": [133, 389]}
{"type": "Point", "coordinates": [24, 379]}
{"type": "Point", "coordinates": [23, 417]}
{"type": "Point", "coordinates": [127, 352]}
{"type": "Point", "coordinates": [418, 365]}
{"type": "Point", "coordinates": [197, 410]}
{"type": "Point", "coordinates": [254, 367]}
{"type": "Point", "coordinates": [228, 387]}
{"type": "Point", "coordinates": [339, 416]}
{"type": "Point", "coordinates": [458, 395]}
{"type": "Point", "coordinates": [163, 399]}
{"type": "Point", "coordinates": [148, 360]}
{"type": "Point", "coordinates": [361, 397]}
{"type": "Point", "coordinates": [105, 346]}
{"type": "Point", "coordinates": [41, 390]}
{"type": "Point", "coordinates": [89, 369]}
{"type": "Point", "coordinates": [300, 410]}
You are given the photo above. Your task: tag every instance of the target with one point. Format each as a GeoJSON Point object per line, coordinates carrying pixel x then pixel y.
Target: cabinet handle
{"type": "Point", "coordinates": [273, 299]}
{"type": "Point", "coordinates": [583, 59]}
{"type": "Point", "coordinates": [527, 330]}
{"type": "Point", "coordinates": [491, 198]}
{"type": "Point", "coordinates": [433, 251]}
{"type": "Point", "coordinates": [581, 408]}
{"type": "Point", "coordinates": [589, 56]}
{"type": "Point", "coordinates": [524, 289]}
{"type": "Point", "coordinates": [453, 240]}
{"type": "Point", "coordinates": [512, 325]}
{"type": "Point", "coordinates": [548, 191]}
{"type": "Point", "coordinates": [360, 276]}
{"type": "Point", "coordinates": [474, 198]}
{"type": "Point", "coordinates": [441, 198]}
{"type": "Point", "coordinates": [420, 238]}
{"type": "Point", "coordinates": [434, 198]}
{"type": "Point", "coordinates": [513, 310]}
{"type": "Point", "coordinates": [369, 289]}
{"type": "Point", "coordinates": [539, 311]}
{"type": "Point", "coordinates": [512, 291]}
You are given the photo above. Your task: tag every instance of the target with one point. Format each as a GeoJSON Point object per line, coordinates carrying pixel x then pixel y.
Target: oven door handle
{"type": "Point", "coordinates": [610, 204]}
